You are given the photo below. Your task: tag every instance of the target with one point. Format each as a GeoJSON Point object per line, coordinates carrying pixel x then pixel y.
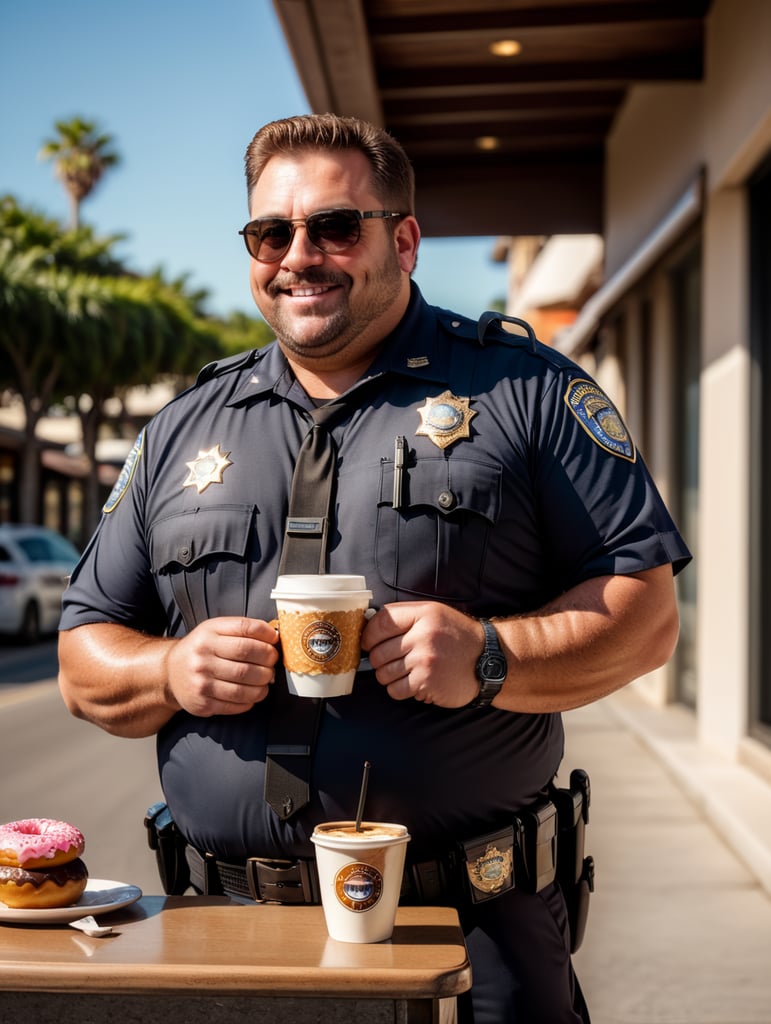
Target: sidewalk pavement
{"type": "Point", "coordinates": [679, 928]}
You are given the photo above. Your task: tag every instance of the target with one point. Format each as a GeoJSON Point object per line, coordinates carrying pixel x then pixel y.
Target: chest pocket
{"type": "Point", "coordinates": [435, 544]}
{"type": "Point", "coordinates": [201, 560]}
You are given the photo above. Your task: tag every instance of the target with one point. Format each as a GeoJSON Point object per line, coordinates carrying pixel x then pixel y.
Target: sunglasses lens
{"type": "Point", "coordinates": [334, 231]}
{"type": "Point", "coordinates": [269, 239]}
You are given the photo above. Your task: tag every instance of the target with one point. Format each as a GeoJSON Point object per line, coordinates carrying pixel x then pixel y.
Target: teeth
{"type": "Point", "coordinates": [304, 292]}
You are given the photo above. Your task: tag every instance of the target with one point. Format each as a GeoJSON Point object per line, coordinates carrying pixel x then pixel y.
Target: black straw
{"type": "Point", "coordinates": [362, 795]}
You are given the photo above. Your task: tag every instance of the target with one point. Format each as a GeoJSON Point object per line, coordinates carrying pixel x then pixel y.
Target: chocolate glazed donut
{"type": "Point", "coordinates": [43, 889]}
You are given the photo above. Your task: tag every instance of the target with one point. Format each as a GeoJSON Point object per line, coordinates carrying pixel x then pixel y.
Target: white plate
{"type": "Point", "coordinates": [101, 895]}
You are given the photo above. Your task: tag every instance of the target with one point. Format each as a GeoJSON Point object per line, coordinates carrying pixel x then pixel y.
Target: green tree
{"type": "Point", "coordinates": [77, 327]}
{"type": "Point", "coordinates": [240, 333]}
{"type": "Point", "coordinates": [81, 155]}
{"type": "Point", "coordinates": [137, 330]}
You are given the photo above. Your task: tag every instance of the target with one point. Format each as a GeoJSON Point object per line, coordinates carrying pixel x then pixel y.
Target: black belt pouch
{"type": "Point", "coordinates": [536, 830]}
{"type": "Point", "coordinates": [575, 872]}
{"type": "Point", "coordinates": [169, 845]}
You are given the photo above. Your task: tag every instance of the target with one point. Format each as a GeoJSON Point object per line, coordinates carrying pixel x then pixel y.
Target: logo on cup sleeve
{"type": "Point", "coordinates": [358, 886]}
{"type": "Point", "coordinates": [321, 641]}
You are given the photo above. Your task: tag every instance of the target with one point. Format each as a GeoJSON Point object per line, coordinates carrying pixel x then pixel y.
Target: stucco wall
{"type": "Point", "coordinates": [654, 152]}
{"type": "Point", "coordinates": [737, 89]}
{"type": "Point", "coordinates": [664, 136]}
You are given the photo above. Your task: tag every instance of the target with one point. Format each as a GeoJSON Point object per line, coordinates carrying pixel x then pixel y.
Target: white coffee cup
{"type": "Point", "coordinates": [320, 621]}
{"type": "Point", "coordinates": [360, 876]}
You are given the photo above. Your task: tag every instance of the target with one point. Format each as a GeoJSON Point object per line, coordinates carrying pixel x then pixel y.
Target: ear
{"type": "Point", "coordinates": [406, 239]}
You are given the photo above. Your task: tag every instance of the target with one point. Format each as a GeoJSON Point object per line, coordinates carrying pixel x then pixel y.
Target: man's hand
{"type": "Point", "coordinates": [223, 667]}
{"type": "Point", "coordinates": [425, 650]}
{"type": "Point", "coordinates": [583, 645]}
{"type": "Point", "coordinates": [131, 684]}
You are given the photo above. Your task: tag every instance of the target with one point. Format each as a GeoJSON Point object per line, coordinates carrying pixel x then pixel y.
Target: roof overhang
{"type": "Point", "coordinates": [424, 70]}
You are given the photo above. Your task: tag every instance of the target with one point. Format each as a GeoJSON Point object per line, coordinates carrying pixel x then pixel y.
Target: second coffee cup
{"type": "Point", "coordinates": [320, 622]}
{"type": "Point", "coordinates": [360, 875]}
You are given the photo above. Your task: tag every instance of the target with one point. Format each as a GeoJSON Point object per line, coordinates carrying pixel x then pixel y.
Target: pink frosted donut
{"type": "Point", "coordinates": [39, 843]}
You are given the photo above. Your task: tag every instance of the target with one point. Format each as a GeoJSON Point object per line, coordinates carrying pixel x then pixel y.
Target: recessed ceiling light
{"type": "Point", "coordinates": [487, 142]}
{"type": "Point", "coordinates": [505, 48]}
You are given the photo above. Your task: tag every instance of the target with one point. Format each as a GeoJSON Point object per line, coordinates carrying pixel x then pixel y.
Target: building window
{"type": "Point", "coordinates": [685, 280]}
{"type": "Point", "coordinates": [760, 330]}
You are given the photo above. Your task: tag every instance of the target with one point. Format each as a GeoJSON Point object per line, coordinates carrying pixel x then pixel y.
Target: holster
{"type": "Point", "coordinates": [169, 845]}
{"type": "Point", "coordinates": [575, 871]}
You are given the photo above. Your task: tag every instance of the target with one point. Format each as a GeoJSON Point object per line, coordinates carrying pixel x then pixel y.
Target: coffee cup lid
{"type": "Point", "coordinates": [302, 585]}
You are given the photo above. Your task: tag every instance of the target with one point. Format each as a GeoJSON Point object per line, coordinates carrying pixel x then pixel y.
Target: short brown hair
{"type": "Point", "coordinates": [393, 178]}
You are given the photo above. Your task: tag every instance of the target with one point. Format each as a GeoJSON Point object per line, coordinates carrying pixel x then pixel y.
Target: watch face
{"type": "Point", "coordinates": [493, 666]}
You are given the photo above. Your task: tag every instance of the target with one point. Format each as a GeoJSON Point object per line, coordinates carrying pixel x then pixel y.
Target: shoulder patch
{"type": "Point", "coordinates": [126, 474]}
{"type": "Point", "coordinates": [599, 418]}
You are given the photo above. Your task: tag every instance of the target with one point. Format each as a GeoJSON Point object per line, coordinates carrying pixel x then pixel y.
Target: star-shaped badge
{"type": "Point", "coordinates": [445, 419]}
{"type": "Point", "coordinates": [207, 468]}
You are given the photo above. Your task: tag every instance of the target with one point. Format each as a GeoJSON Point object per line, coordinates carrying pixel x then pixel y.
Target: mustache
{"type": "Point", "coordinates": [282, 282]}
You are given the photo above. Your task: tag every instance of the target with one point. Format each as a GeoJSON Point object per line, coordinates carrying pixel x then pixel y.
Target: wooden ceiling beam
{"type": "Point", "coordinates": [680, 67]}
{"type": "Point", "coordinates": [514, 103]}
{"type": "Point", "coordinates": [536, 15]}
{"type": "Point", "coordinates": [510, 197]}
{"type": "Point", "coordinates": [596, 127]}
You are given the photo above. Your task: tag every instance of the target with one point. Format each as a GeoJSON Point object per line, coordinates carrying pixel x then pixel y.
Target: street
{"type": "Point", "coordinates": [23, 664]}
{"type": "Point", "coordinates": [54, 766]}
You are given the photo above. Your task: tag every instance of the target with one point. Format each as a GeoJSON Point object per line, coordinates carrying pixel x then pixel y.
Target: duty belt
{"type": "Point", "coordinates": [271, 880]}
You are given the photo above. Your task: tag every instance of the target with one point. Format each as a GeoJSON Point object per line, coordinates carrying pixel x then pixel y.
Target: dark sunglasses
{"type": "Point", "coordinates": [268, 238]}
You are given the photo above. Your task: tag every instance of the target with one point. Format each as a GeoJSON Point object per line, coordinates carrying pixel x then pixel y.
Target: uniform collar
{"type": "Point", "coordinates": [412, 349]}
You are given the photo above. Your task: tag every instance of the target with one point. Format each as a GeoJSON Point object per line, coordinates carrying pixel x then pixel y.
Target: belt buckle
{"type": "Point", "coordinates": [490, 864]}
{"type": "Point", "coordinates": [273, 880]}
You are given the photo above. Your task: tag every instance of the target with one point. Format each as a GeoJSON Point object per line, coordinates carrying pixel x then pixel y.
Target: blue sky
{"type": "Point", "coordinates": [181, 85]}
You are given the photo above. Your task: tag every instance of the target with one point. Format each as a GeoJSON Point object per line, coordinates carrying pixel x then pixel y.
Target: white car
{"type": "Point", "coordinates": [34, 566]}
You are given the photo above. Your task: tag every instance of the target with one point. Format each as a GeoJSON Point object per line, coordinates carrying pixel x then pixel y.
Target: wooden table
{"type": "Point", "coordinates": [208, 959]}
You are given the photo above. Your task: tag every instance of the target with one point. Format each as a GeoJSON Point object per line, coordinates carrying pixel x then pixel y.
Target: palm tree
{"type": "Point", "coordinates": [81, 155]}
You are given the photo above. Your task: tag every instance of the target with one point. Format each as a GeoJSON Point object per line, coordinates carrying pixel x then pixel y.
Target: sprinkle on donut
{"type": "Point", "coordinates": [39, 843]}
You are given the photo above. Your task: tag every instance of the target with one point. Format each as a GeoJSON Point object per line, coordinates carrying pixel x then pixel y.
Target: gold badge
{"type": "Point", "coordinates": [492, 870]}
{"type": "Point", "coordinates": [445, 419]}
{"type": "Point", "coordinates": [207, 468]}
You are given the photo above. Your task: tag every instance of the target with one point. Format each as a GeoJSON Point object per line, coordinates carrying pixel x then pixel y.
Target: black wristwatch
{"type": "Point", "coordinates": [490, 669]}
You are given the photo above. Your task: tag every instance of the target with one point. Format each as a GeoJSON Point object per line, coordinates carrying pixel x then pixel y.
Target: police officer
{"type": "Point", "coordinates": [519, 555]}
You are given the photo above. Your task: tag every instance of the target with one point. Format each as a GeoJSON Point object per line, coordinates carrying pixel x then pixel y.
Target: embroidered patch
{"type": "Point", "coordinates": [207, 468]}
{"type": "Point", "coordinates": [445, 419]}
{"type": "Point", "coordinates": [599, 418]}
{"type": "Point", "coordinates": [126, 474]}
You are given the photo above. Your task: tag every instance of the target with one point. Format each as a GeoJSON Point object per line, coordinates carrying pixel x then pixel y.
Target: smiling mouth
{"type": "Point", "coordinates": [308, 291]}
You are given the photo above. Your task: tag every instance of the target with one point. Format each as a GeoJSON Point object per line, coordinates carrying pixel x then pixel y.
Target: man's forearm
{"type": "Point", "coordinates": [116, 678]}
{"type": "Point", "coordinates": [589, 642]}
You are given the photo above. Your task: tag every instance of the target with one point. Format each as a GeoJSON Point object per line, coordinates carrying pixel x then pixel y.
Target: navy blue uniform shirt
{"type": "Point", "coordinates": [546, 491]}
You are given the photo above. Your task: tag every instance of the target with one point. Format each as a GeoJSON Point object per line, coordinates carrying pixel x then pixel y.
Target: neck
{"type": "Point", "coordinates": [323, 384]}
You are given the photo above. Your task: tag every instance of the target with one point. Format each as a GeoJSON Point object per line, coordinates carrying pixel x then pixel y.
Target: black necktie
{"type": "Point", "coordinates": [295, 721]}
{"type": "Point", "coordinates": [307, 524]}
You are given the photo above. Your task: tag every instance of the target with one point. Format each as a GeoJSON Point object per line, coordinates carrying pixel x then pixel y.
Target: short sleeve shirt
{"type": "Point", "coordinates": [520, 482]}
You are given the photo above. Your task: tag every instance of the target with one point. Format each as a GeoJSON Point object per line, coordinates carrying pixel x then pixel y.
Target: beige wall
{"type": "Point", "coordinates": [663, 137]}
{"type": "Point", "coordinates": [737, 89]}
{"type": "Point", "coordinates": [654, 152]}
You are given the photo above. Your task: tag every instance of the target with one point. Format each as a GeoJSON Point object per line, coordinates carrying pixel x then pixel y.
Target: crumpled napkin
{"type": "Point", "coordinates": [90, 927]}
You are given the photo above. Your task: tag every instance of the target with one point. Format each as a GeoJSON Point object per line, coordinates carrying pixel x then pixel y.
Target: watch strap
{"type": "Point", "coordinates": [489, 687]}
